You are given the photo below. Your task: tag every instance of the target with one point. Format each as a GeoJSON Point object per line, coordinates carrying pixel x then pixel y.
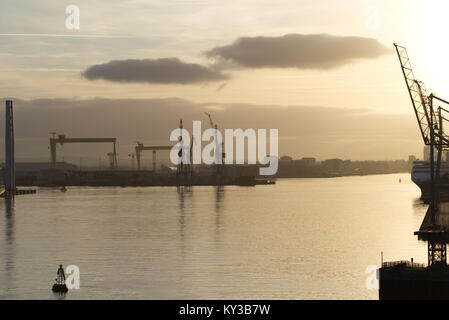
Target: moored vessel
{"type": "Point", "coordinates": [421, 177]}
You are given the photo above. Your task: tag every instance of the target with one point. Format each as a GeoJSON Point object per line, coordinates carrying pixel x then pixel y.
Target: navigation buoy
{"type": "Point", "coordinates": [60, 285]}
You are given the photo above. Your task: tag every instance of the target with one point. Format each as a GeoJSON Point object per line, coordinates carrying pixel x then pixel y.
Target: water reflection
{"type": "Point", "coordinates": [219, 198]}
{"type": "Point", "coordinates": [219, 194]}
{"type": "Point", "coordinates": [9, 215]}
{"type": "Point", "coordinates": [210, 242]}
{"type": "Point", "coordinates": [59, 295]}
{"type": "Point", "coordinates": [183, 193]}
{"type": "Point", "coordinates": [9, 204]}
{"type": "Point", "coordinates": [419, 207]}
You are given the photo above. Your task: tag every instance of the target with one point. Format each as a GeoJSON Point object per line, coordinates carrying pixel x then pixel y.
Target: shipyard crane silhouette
{"type": "Point", "coordinates": [210, 119]}
{"type": "Point", "coordinates": [432, 118]}
{"type": "Point", "coordinates": [221, 151]}
{"type": "Point", "coordinates": [62, 139]}
{"type": "Point", "coordinates": [141, 147]}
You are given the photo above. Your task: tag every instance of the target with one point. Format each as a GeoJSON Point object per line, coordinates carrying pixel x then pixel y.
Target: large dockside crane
{"type": "Point", "coordinates": [431, 118]}
{"type": "Point", "coordinates": [61, 139]}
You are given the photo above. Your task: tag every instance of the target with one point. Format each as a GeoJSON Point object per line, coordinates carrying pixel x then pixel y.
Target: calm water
{"type": "Point", "coordinates": [298, 239]}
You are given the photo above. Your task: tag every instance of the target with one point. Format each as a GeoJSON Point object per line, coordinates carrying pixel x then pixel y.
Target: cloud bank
{"type": "Point", "coordinates": [163, 71]}
{"type": "Point", "coordinates": [314, 51]}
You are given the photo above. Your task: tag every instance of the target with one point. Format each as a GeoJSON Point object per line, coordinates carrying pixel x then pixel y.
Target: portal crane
{"type": "Point", "coordinates": [435, 228]}
{"type": "Point", "coordinates": [140, 147]}
{"type": "Point", "coordinates": [61, 139]}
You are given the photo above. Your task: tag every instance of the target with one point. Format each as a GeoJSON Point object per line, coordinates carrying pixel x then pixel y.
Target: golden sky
{"type": "Point", "coordinates": [36, 65]}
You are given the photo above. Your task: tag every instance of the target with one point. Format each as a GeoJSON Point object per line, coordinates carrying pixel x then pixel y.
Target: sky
{"type": "Point", "coordinates": [323, 72]}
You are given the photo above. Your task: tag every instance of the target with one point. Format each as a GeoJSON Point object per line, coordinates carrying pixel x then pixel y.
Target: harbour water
{"type": "Point", "coordinates": [298, 239]}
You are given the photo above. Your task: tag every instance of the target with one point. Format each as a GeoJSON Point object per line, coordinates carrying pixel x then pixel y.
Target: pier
{"type": "Point", "coordinates": [406, 280]}
{"type": "Point", "coordinates": [17, 192]}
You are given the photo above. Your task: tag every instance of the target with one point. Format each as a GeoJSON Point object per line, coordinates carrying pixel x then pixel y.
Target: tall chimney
{"type": "Point", "coordinates": [10, 174]}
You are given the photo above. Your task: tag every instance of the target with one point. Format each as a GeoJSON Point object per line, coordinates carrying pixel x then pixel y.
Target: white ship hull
{"type": "Point", "coordinates": [421, 177]}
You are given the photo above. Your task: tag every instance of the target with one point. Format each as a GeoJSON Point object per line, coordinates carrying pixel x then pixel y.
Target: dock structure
{"type": "Point", "coordinates": [433, 116]}
{"type": "Point", "coordinates": [435, 226]}
{"type": "Point", "coordinates": [435, 230]}
{"type": "Point", "coordinates": [406, 280]}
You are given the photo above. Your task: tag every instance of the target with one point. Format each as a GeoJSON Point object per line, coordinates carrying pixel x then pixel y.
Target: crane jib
{"type": "Point", "coordinates": [418, 95]}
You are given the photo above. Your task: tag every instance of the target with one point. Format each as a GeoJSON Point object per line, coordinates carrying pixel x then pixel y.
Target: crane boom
{"type": "Point", "coordinates": [418, 94]}
{"type": "Point", "coordinates": [431, 120]}
{"type": "Point", "coordinates": [210, 119]}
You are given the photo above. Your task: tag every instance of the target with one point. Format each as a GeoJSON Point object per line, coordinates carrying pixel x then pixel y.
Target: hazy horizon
{"type": "Point", "coordinates": [150, 121]}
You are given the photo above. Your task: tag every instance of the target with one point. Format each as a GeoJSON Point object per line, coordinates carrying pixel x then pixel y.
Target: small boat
{"type": "Point", "coordinates": [63, 189]}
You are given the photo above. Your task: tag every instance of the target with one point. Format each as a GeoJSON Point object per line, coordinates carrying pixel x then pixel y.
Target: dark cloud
{"type": "Point", "coordinates": [164, 71]}
{"type": "Point", "coordinates": [315, 51]}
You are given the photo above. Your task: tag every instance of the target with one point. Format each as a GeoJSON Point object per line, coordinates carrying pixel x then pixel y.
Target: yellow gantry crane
{"type": "Point", "coordinates": [62, 139]}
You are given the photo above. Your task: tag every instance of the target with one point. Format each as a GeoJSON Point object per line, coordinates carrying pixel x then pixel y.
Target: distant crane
{"type": "Point", "coordinates": [182, 169]}
{"type": "Point", "coordinates": [210, 119]}
{"type": "Point", "coordinates": [61, 139]}
{"type": "Point", "coordinates": [140, 147]}
{"type": "Point", "coordinates": [221, 151]}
